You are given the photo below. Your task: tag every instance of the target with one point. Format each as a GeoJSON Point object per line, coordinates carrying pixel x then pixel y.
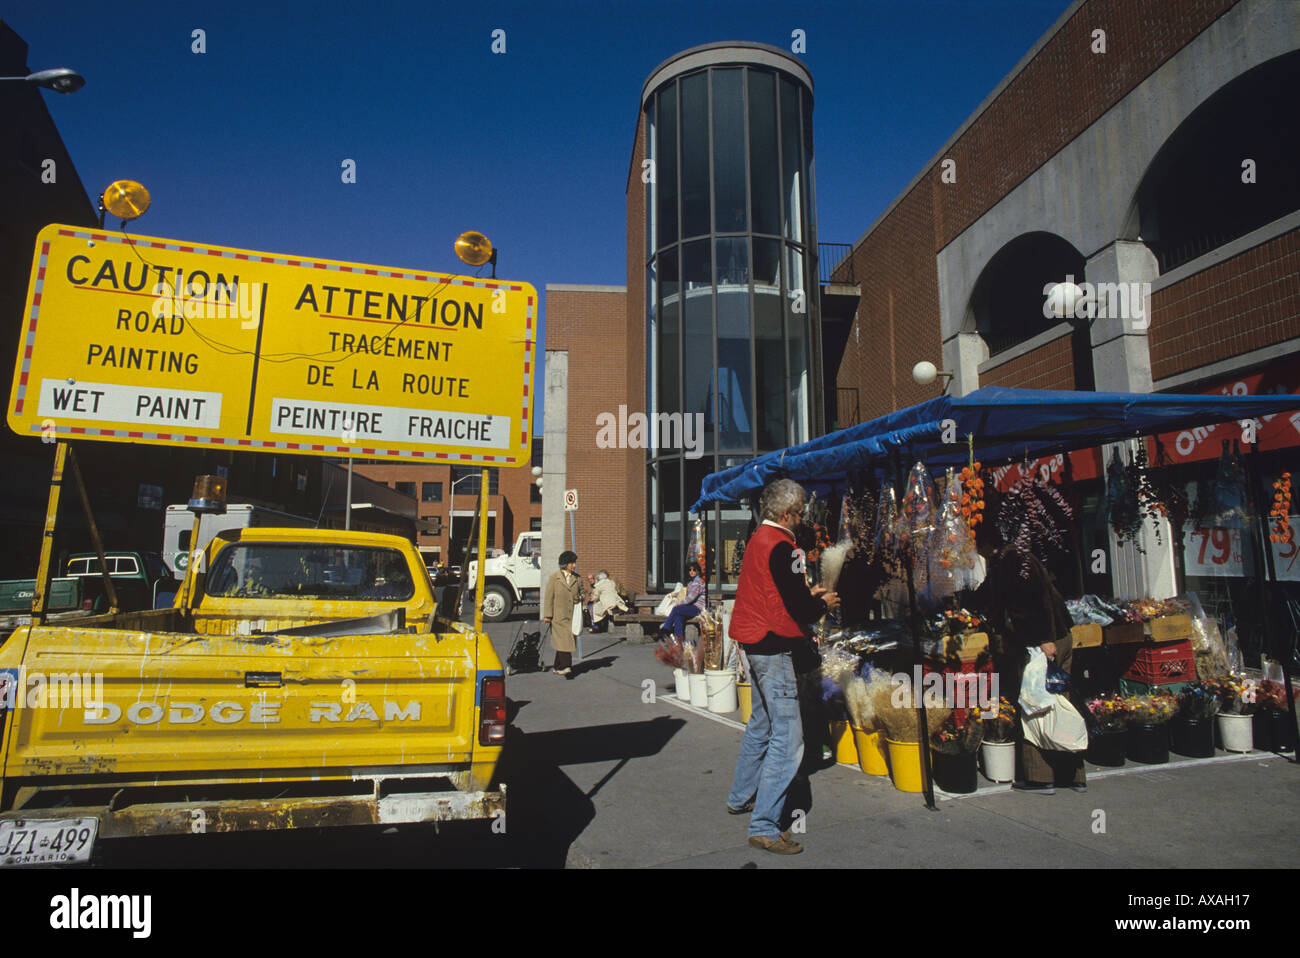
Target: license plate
{"type": "Point", "coordinates": [47, 841]}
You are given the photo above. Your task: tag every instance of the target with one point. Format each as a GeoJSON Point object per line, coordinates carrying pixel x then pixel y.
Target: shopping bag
{"type": "Point", "coordinates": [665, 608]}
{"type": "Point", "coordinates": [1060, 728]}
{"type": "Point", "coordinates": [1058, 680]}
{"type": "Point", "coordinates": [577, 628]}
{"type": "Point", "coordinates": [1034, 697]}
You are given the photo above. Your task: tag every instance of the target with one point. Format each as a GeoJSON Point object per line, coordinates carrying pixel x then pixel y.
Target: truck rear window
{"type": "Point", "coordinates": [307, 571]}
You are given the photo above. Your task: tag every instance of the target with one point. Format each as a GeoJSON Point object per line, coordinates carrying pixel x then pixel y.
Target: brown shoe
{"type": "Point", "coordinates": [778, 846]}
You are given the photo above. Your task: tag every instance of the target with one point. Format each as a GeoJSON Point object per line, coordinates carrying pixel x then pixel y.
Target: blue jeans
{"type": "Point", "coordinates": [772, 748]}
{"type": "Point", "coordinates": [678, 617]}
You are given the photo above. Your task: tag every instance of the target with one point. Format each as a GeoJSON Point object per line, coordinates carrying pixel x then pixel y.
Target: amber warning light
{"type": "Point", "coordinates": [209, 495]}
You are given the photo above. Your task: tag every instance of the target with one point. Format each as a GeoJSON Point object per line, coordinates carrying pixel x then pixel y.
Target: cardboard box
{"type": "Point", "coordinates": [1123, 633]}
{"type": "Point", "coordinates": [1169, 628]}
{"type": "Point", "coordinates": [1086, 636]}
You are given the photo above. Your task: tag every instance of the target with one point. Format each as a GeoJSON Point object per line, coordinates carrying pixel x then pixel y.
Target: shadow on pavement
{"type": "Point", "coordinates": [546, 812]}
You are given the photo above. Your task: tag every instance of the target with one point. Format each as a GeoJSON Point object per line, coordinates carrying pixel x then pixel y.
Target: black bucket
{"type": "Point", "coordinates": [1191, 737]}
{"type": "Point", "coordinates": [1284, 732]}
{"type": "Point", "coordinates": [1264, 730]}
{"type": "Point", "coordinates": [1147, 744]}
{"type": "Point", "coordinates": [955, 774]}
{"type": "Point", "coordinates": [1106, 748]}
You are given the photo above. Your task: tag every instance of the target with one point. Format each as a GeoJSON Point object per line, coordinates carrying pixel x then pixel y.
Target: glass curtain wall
{"type": "Point", "coordinates": [729, 298]}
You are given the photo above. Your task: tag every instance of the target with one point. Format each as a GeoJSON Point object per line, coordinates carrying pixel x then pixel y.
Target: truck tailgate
{"type": "Point", "coordinates": [177, 704]}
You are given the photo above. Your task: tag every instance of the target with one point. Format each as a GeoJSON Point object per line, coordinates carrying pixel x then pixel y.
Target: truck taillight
{"type": "Point", "coordinates": [492, 711]}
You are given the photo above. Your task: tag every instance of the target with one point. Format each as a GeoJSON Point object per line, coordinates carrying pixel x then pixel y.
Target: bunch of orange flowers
{"type": "Point", "coordinates": [1281, 511]}
{"type": "Point", "coordinates": [972, 495]}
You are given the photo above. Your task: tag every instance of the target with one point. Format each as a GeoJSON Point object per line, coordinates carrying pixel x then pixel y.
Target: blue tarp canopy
{"type": "Point", "coordinates": [1007, 424]}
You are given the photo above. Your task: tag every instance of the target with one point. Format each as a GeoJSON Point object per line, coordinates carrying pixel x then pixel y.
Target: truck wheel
{"type": "Point", "coordinates": [496, 603]}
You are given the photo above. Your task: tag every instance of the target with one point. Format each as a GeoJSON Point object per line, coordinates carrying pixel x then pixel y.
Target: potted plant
{"type": "Point", "coordinates": [693, 662]}
{"type": "Point", "coordinates": [669, 651]}
{"type": "Point", "coordinates": [1108, 727]}
{"type": "Point", "coordinates": [1236, 712]}
{"type": "Point", "coordinates": [953, 747]}
{"type": "Point", "coordinates": [999, 745]}
{"type": "Point", "coordinates": [1273, 718]}
{"type": "Point", "coordinates": [1147, 738]}
{"type": "Point", "coordinates": [1191, 731]}
{"type": "Point", "coordinates": [859, 697]}
{"type": "Point", "coordinates": [902, 724]}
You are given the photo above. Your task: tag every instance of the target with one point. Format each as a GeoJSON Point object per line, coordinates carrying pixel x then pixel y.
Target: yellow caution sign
{"type": "Point", "coordinates": [139, 339]}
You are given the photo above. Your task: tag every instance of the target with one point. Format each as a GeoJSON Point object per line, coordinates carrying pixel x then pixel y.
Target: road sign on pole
{"type": "Point", "coordinates": [136, 339]}
{"type": "Point", "coordinates": [571, 500]}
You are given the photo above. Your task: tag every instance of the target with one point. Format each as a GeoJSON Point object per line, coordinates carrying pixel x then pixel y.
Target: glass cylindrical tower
{"type": "Point", "coordinates": [731, 284]}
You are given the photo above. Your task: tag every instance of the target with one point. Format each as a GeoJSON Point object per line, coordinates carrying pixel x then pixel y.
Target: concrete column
{"type": "Point", "coordinates": [1119, 279]}
{"type": "Point", "coordinates": [554, 460]}
{"type": "Point", "coordinates": [962, 355]}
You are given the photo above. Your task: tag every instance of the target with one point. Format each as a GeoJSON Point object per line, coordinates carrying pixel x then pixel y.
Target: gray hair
{"type": "Point", "coordinates": [780, 497]}
{"type": "Point", "coordinates": [602, 574]}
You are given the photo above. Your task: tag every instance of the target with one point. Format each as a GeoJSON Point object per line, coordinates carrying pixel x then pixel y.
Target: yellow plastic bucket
{"type": "Point", "coordinates": [744, 691]}
{"type": "Point", "coordinates": [871, 757]}
{"type": "Point", "coordinates": [905, 763]}
{"type": "Point", "coordinates": [846, 749]}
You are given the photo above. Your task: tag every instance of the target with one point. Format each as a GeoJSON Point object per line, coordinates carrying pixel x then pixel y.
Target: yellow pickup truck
{"type": "Point", "coordinates": [302, 679]}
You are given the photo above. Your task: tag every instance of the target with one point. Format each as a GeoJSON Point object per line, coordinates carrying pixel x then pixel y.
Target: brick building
{"type": "Point", "coordinates": [1138, 151]}
{"type": "Point", "coordinates": [444, 499]}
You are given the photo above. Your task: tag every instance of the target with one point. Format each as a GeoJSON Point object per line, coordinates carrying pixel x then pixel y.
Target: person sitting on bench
{"type": "Point", "coordinates": [690, 607]}
{"type": "Point", "coordinates": [604, 600]}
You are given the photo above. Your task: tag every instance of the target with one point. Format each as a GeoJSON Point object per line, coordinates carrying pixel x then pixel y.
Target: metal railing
{"type": "Point", "coordinates": [833, 255]}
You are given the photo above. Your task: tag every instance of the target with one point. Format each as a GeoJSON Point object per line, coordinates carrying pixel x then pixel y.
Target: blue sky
{"type": "Point", "coordinates": [243, 145]}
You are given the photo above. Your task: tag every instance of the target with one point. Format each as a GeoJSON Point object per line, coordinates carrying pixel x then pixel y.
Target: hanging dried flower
{"type": "Point", "coordinates": [1032, 519]}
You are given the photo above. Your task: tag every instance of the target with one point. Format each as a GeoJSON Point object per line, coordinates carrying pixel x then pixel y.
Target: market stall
{"type": "Point", "coordinates": [905, 496]}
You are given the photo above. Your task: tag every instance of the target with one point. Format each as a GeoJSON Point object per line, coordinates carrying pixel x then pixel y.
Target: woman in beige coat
{"type": "Point", "coordinates": [563, 595]}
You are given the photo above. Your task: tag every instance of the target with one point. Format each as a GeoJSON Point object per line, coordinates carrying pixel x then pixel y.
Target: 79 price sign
{"type": "Point", "coordinates": [1218, 552]}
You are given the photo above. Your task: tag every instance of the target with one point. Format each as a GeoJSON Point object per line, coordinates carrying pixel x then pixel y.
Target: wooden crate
{"type": "Point", "coordinates": [973, 644]}
{"type": "Point", "coordinates": [1169, 628]}
{"type": "Point", "coordinates": [1123, 633]}
{"type": "Point", "coordinates": [1086, 636]}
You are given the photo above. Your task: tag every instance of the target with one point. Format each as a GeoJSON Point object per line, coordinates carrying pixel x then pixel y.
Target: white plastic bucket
{"type": "Point", "coordinates": [1237, 732]}
{"type": "Point", "coordinates": [999, 761]}
{"type": "Point", "coordinates": [721, 686]}
{"type": "Point", "coordinates": [699, 691]}
{"type": "Point", "coordinates": [683, 684]}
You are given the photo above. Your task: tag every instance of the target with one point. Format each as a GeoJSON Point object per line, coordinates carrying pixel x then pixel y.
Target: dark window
{"type": "Point", "coordinates": [308, 570]}
{"type": "Point", "coordinates": [535, 524]}
{"type": "Point", "coordinates": [405, 488]}
{"type": "Point", "coordinates": [666, 164]}
{"type": "Point", "coordinates": [534, 494]}
{"type": "Point", "coordinates": [695, 155]}
{"type": "Point", "coordinates": [729, 190]}
{"type": "Point", "coordinates": [431, 492]}
{"type": "Point", "coordinates": [669, 334]}
{"type": "Point", "coordinates": [765, 178]}
{"type": "Point", "coordinates": [791, 161]}
{"type": "Point", "coordinates": [697, 342]}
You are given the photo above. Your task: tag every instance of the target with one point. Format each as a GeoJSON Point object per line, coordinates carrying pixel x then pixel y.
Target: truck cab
{"type": "Point", "coordinates": [510, 581]}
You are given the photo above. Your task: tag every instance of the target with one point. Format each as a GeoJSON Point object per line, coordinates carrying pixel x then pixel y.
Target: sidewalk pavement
{"type": "Point", "coordinates": [603, 773]}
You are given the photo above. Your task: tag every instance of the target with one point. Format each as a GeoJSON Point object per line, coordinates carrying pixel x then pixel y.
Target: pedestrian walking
{"type": "Point", "coordinates": [772, 618]}
{"type": "Point", "coordinates": [562, 603]}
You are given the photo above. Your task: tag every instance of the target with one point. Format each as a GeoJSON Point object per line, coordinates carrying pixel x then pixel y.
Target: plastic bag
{"type": "Point", "coordinates": [1058, 680]}
{"type": "Point", "coordinates": [665, 607]}
{"type": "Point", "coordinates": [1060, 728]}
{"type": "Point", "coordinates": [1034, 697]}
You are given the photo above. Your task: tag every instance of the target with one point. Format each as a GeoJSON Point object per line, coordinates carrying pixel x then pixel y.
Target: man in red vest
{"type": "Point", "coordinates": [773, 613]}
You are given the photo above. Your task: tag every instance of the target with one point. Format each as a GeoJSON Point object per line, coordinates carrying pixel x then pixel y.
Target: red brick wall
{"type": "Point", "coordinates": [1244, 303]}
{"type": "Point", "coordinates": [592, 326]}
{"type": "Point", "coordinates": [898, 315]}
{"type": "Point", "coordinates": [1052, 100]}
{"type": "Point", "coordinates": [1050, 366]}
{"type": "Point", "coordinates": [1062, 91]}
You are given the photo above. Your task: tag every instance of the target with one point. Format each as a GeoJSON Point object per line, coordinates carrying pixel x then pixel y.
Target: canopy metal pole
{"type": "Point", "coordinates": [918, 668]}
